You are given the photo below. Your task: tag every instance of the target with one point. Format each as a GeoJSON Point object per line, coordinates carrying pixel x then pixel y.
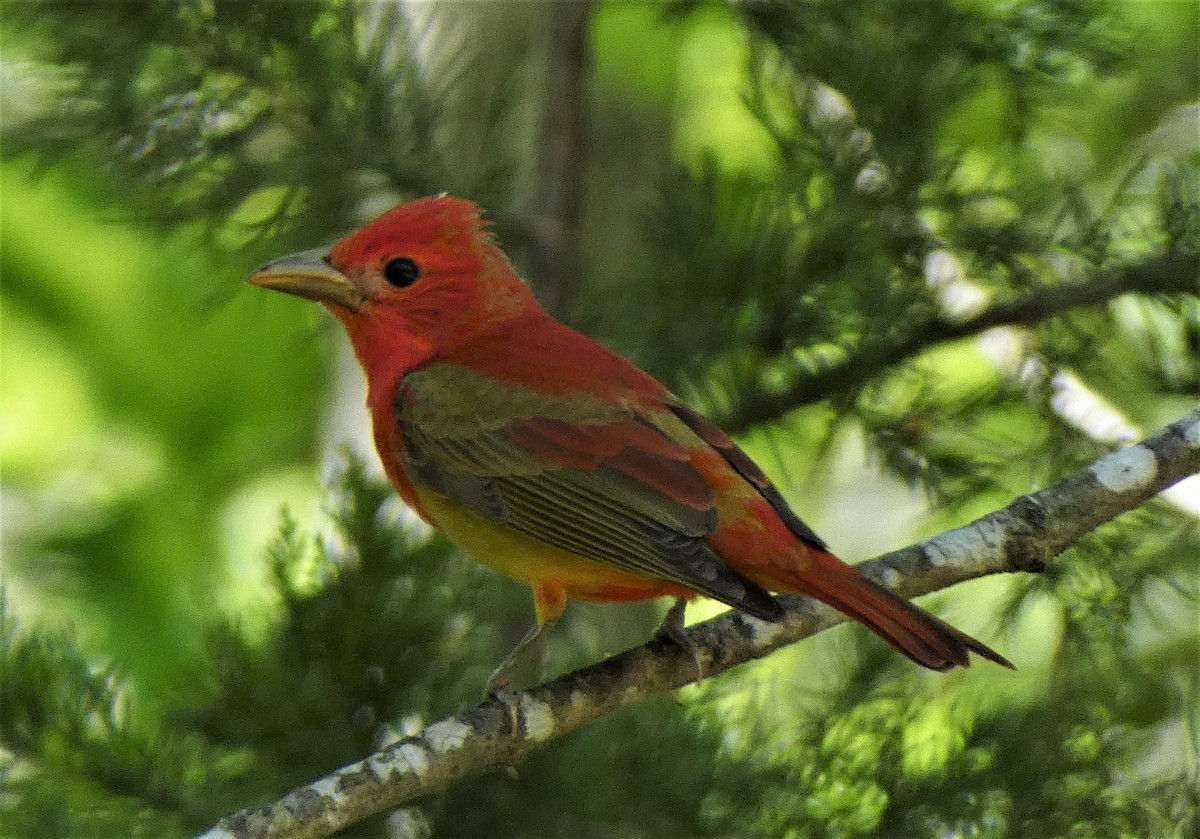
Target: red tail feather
{"type": "Point", "coordinates": [926, 639]}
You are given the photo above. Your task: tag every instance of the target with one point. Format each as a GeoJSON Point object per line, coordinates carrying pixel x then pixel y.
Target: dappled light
{"type": "Point", "coordinates": [920, 259]}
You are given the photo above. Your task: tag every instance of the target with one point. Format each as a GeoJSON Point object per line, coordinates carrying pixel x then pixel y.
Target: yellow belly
{"type": "Point", "coordinates": [553, 573]}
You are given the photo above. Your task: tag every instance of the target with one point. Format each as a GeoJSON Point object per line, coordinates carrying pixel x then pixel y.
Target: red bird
{"type": "Point", "coordinates": [555, 461]}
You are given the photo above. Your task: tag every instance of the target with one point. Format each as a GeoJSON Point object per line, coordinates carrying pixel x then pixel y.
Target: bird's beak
{"type": "Point", "coordinates": [308, 274]}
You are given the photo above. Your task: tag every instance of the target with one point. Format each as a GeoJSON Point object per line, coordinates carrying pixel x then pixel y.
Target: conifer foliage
{"type": "Point", "coordinates": [950, 245]}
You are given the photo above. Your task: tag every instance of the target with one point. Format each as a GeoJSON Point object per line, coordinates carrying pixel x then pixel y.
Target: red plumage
{"type": "Point", "coordinates": [556, 461]}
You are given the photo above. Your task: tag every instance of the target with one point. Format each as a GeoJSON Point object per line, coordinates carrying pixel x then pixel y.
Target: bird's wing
{"type": "Point", "coordinates": [599, 480]}
{"type": "Point", "coordinates": [741, 463]}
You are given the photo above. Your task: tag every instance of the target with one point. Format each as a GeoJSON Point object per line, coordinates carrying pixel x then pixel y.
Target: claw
{"type": "Point", "coordinates": [673, 628]}
{"type": "Point", "coordinates": [509, 700]}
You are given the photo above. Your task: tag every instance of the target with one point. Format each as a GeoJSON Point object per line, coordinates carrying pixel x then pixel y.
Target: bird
{"type": "Point", "coordinates": [557, 462]}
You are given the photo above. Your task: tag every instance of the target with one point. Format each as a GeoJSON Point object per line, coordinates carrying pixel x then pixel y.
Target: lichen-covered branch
{"type": "Point", "coordinates": [1023, 536]}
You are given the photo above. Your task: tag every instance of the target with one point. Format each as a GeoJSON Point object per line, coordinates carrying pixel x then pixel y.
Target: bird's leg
{"type": "Point", "coordinates": [525, 656]}
{"type": "Point", "coordinates": [525, 660]}
{"type": "Point", "coordinates": [673, 628]}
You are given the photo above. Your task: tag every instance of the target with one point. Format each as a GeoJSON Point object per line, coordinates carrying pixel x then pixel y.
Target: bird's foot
{"type": "Point", "coordinates": [522, 665]}
{"type": "Point", "coordinates": [673, 628]}
{"type": "Point", "coordinates": [507, 699]}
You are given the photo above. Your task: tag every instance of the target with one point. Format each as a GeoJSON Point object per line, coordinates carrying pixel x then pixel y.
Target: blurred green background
{"type": "Point", "coordinates": [207, 594]}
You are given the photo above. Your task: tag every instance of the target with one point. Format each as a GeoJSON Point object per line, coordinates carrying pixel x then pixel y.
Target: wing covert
{"type": "Point", "coordinates": [707, 431]}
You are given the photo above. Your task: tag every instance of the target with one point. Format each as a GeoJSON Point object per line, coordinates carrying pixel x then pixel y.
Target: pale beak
{"type": "Point", "coordinates": [308, 274]}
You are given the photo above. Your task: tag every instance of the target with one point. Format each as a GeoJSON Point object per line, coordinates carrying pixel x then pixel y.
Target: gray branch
{"type": "Point", "coordinates": [1024, 536]}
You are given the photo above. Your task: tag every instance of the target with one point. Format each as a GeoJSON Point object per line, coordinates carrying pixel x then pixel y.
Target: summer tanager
{"type": "Point", "coordinates": [555, 461]}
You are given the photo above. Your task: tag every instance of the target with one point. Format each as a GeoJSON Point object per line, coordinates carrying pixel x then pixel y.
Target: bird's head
{"type": "Point", "coordinates": [412, 282]}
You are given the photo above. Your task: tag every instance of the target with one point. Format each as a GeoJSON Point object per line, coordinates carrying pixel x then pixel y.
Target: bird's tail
{"type": "Point", "coordinates": [927, 640]}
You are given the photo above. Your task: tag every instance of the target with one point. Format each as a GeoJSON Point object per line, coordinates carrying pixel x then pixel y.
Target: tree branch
{"type": "Point", "coordinates": [1172, 273]}
{"type": "Point", "coordinates": [1023, 536]}
{"type": "Point", "coordinates": [849, 148]}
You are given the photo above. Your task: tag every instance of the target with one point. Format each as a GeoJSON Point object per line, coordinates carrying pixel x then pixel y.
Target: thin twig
{"type": "Point", "coordinates": [1175, 273]}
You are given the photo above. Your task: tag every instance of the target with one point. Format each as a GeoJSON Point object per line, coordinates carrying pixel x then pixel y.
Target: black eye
{"type": "Point", "coordinates": [402, 272]}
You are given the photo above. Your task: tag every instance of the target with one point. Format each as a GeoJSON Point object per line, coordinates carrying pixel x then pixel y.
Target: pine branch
{"type": "Point", "coordinates": [1173, 273]}
{"type": "Point", "coordinates": [849, 148]}
{"type": "Point", "coordinates": [501, 731]}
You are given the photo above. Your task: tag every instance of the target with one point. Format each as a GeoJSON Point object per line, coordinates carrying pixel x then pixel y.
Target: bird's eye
{"type": "Point", "coordinates": [402, 272]}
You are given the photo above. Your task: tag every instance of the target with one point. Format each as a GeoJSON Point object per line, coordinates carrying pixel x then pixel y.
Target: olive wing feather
{"type": "Point", "coordinates": [616, 490]}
